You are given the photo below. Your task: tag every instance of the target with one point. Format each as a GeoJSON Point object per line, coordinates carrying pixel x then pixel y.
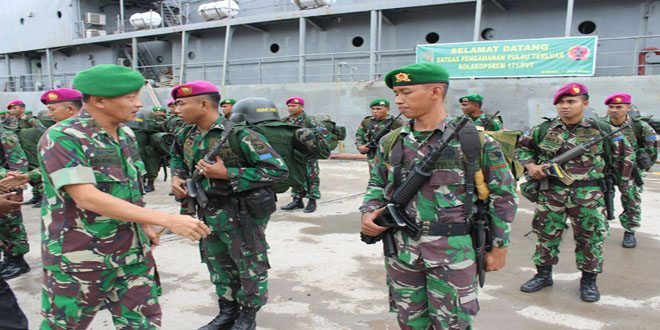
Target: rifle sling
{"type": "Point", "coordinates": [471, 146]}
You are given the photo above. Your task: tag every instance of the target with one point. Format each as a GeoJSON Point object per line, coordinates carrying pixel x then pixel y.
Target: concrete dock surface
{"type": "Point", "coordinates": [324, 277]}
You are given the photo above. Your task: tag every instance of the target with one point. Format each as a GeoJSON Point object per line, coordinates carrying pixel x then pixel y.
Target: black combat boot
{"type": "Point", "coordinates": [225, 319]}
{"type": "Point", "coordinates": [149, 186]}
{"type": "Point", "coordinates": [588, 289]}
{"type": "Point", "coordinates": [247, 319]}
{"type": "Point", "coordinates": [629, 240]}
{"type": "Point", "coordinates": [311, 206]}
{"type": "Point", "coordinates": [36, 198]}
{"type": "Point", "coordinates": [542, 279]}
{"type": "Point", "coordinates": [297, 203]}
{"type": "Point", "coordinates": [14, 266]}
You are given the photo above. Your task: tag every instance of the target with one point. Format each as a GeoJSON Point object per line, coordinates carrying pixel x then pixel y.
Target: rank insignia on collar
{"type": "Point", "coordinates": [402, 77]}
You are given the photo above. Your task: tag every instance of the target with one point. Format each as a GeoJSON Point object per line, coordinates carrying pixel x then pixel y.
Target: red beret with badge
{"type": "Point", "coordinates": [194, 88]}
{"type": "Point", "coordinates": [15, 102]}
{"type": "Point", "coordinates": [60, 95]}
{"type": "Point", "coordinates": [295, 100]}
{"type": "Point", "coordinates": [618, 98]}
{"type": "Point", "coordinates": [572, 89]}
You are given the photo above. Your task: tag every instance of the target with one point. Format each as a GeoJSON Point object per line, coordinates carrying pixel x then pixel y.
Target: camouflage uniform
{"type": "Point", "coordinates": [238, 270]}
{"type": "Point", "coordinates": [13, 238]}
{"type": "Point", "coordinates": [312, 178]}
{"type": "Point", "coordinates": [369, 128]}
{"type": "Point", "coordinates": [29, 138]}
{"type": "Point", "coordinates": [90, 260]}
{"type": "Point", "coordinates": [584, 205]}
{"type": "Point", "coordinates": [495, 124]}
{"type": "Point", "coordinates": [630, 192]}
{"type": "Point", "coordinates": [433, 281]}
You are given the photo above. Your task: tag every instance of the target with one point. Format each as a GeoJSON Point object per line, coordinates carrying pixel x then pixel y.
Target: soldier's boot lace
{"type": "Point", "coordinates": [225, 319]}
{"type": "Point", "coordinates": [629, 240]}
{"type": "Point", "coordinates": [588, 289]}
{"type": "Point", "coordinates": [297, 203]}
{"type": "Point", "coordinates": [14, 266]}
{"type": "Point", "coordinates": [247, 319]}
{"type": "Point", "coordinates": [149, 186]}
{"type": "Point", "coordinates": [542, 279]}
{"type": "Point", "coordinates": [311, 206]}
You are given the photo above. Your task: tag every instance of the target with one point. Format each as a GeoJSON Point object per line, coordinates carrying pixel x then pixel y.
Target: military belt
{"type": "Point", "coordinates": [576, 183]}
{"type": "Point", "coordinates": [445, 229]}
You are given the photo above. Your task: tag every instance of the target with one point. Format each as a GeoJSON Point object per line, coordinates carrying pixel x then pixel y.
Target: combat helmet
{"type": "Point", "coordinates": [254, 110]}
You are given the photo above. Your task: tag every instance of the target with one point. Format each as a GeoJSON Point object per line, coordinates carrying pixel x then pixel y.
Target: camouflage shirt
{"type": "Point", "coordinates": [442, 197]}
{"type": "Point", "coordinates": [650, 138]}
{"type": "Point", "coordinates": [12, 157]}
{"type": "Point", "coordinates": [495, 124]}
{"type": "Point", "coordinates": [79, 151]}
{"type": "Point", "coordinates": [256, 165]}
{"type": "Point", "coordinates": [561, 138]}
{"type": "Point", "coordinates": [370, 127]}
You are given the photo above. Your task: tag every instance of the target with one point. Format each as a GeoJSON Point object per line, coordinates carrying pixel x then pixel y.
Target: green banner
{"type": "Point", "coordinates": [549, 57]}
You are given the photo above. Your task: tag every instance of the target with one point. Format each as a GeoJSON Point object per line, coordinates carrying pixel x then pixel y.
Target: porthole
{"type": "Point", "coordinates": [432, 37]}
{"type": "Point", "coordinates": [587, 27]}
{"type": "Point", "coordinates": [159, 59]}
{"type": "Point", "coordinates": [191, 55]}
{"type": "Point", "coordinates": [358, 41]}
{"type": "Point", "coordinates": [488, 34]}
{"type": "Point", "coordinates": [274, 48]}
{"type": "Point", "coordinates": [59, 14]}
{"type": "Point", "coordinates": [22, 20]}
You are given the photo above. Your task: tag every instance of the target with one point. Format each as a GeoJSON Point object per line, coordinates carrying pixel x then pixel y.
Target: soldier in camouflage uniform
{"type": "Point", "coordinates": [471, 107]}
{"type": "Point", "coordinates": [643, 139]}
{"type": "Point", "coordinates": [13, 238]}
{"type": "Point", "coordinates": [379, 122]}
{"type": "Point", "coordinates": [236, 250]}
{"type": "Point", "coordinates": [96, 236]}
{"type": "Point", "coordinates": [17, 118]}
{"type": "Point", "coordinates": [433, 281]}
{"type": "Point", "coordinates": [298, 117]}
{"type": "Point", "coordinates": [583, 201]}
{"type": "Point", "coordinates": [226, 106]}
{"type": "Point", "coordinates": [4, 113]}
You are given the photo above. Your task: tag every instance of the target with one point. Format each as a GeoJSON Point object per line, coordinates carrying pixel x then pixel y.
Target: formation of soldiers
{"type": "Point", "coordinates": [438, 175]}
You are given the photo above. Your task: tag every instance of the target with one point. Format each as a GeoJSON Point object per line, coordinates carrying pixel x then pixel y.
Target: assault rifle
{"type": "Point", "coordinates": [490, 119]}
{"type": "Point", "coordinates": [194, 184]}
{"type": "Point", "coordinates": [394, 216]}
{"type": "Point", "coordinates": [373, 143]}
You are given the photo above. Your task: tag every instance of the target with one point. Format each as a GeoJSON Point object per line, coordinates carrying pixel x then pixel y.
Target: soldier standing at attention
{"type": "Point", "coordinates": [378, 123]}
{"type": "Point", "coordinates": [227, 105]}
{"type": "Point", "coordinates": [643, 139]}
{"type": "Point", "coordinates": [583, 201]}
{"type": "Point", "coordinates": [471, 106]}
{"type": "Point", "coordinates": [432, 281]}
{"type": "Point", "coordinates": [298, 117]}
{"type": "Point", "coordinates": [96, 236]}
{"type": "Point", "coordinates": [236, 250]}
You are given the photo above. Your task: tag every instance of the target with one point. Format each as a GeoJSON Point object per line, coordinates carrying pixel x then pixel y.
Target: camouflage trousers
{"type": "Point", "coordinates": [631, 201]}
{"type": "Point", "coordinates": [585, 207]}
{"type": "Point", "coordinates": [130, 293]}
{"type": "Point", "coordinates": [371, 161]}
{"type": "Point", "coordinates": [13, 238]}
{"type": "Point", "coordinates": [239, 270]}
{"type": "Point", "coordinates": [443, 297]}
{"type": "Point", "coordinates": [312, 182]}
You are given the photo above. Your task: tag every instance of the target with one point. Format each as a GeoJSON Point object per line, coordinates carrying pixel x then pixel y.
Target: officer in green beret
{"type": "Point", "coordinates": [471, 107]}
{"type": "Point", "coordinates": [227, 105]}
{"type": "Point", "coordinates": [372, 127]}
{"type": "Point", "coordinates": [96, 234]}
{"type": "Point", "coordinates": [433, 280]}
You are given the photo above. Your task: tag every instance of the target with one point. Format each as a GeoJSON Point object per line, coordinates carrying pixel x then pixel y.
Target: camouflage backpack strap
{"type": "Point", "coordinates": [639, 131]}
{"type": "Point", "coordinates": [366, 122]}
{"type": "Point", "coordinates": [393, 153]}
{"type": "Point", "coordinates": [235, 141]}
{"type": "Point", "coordinates": [608, 147]}
{"type": "Point", "coordinates": [471, 142]}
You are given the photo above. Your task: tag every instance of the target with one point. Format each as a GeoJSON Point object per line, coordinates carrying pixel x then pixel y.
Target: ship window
{"type": "Point", "coordinates": [587, 27]}
{"type": "Point", "coordinates": [191, 55]}
{"type": "Point", "coordinates": [59, 14]}
{"type": "Point", "coordinates": [358, 41]}
{"type": "Point", "coordinates": [22, 20]}
{"type": "Point", "coordinates": [488, 34]}
{"type": "Point", "coordinates": [159, 59]}
{"type": "Point", "coordinates": [432, 38]}
{"type": "Point", "coordinates": [55, 65]}
{"type": "Point", "coordinates": [274, 48]}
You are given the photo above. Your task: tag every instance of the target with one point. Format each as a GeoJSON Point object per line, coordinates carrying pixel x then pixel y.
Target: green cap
{"type": "Point", "coordinates": [28, 111]}
{"type": "Point", "coordinates": [108, 80]}
{"type": "Point", "coordinates": [228, 101]}
{"type": "Point", "coordinates": [379, 102]}
{"type": "Point", "coordinates": [471, 97]}
{"type": "Point", "coordinates": [4, 111]}
{"type": "Point", "coordinates": [158, 108]}
{"type": "Point", "coordinates": [416, 74]}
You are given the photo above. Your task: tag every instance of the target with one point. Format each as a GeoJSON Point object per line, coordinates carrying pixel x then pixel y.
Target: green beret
{"type": "Point", "coordinates": [4, 111]}
{"type": "Point", "coordinates": [228, 101]}
{"type": "Point", "coordinates": [379, 102]}
{"type": "Point", "coordinates": [416, 74]}
{"type": "Point", "coordinates": [157, 108]}
{"type": "Point", "coordinates": [471, 97]}
{"type": "Point", "coordinates": [107, 80]}
{"type": "Point", "coordinates": [28, 111]}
